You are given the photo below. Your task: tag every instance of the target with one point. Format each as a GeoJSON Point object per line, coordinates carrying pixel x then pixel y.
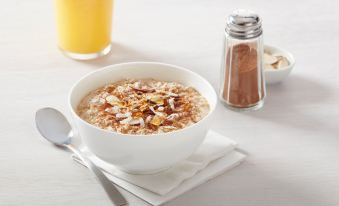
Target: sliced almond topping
{"type": "Point", "coordinates": [171, 103]}
{"type": "Point", "coordinates": [121, 115]}
{"type": "Point", "coordinates": [113, 110]}
{"type": "Point", "coordinates": [157, 120]}
{"type": "Point", "coordinates": [113, 100]}
{"type": "Point", "coordinates": [161, 114]}
{"type": "Point", "coordinates": [156, 99]}
{"type": "Point", "coordinates": [148, 118]}
{"type": "Point", "coordinates": [141, 122]}
{"type": "Point", "coordinates": [169, 127]}
{"type": "Point", "coordinates": [136, 85]}
{"type": "Point", "coordinates": [137, 114]}
{"type": "Point", "coordinates": [126, 121]}
{"type": "Point", "coordinates": [172, 116]}
{"type": "Point", "coordinates": [97, 101]}
{"type": "Point", "coordinates": [138, 121]}
{"type": "Point", "coordinates": [143, 107]}
{"type": "Point", "coordinates": [171, 94]}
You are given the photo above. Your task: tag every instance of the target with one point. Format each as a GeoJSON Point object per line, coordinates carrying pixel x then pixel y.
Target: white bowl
{"type": "Point", "coordinates": [273, 76]}
{"type": "Point", "coordinates": [141, 154]}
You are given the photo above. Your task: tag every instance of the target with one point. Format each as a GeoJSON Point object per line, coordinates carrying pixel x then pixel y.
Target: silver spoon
{"type": "Point", "coordinates": [54, 126]}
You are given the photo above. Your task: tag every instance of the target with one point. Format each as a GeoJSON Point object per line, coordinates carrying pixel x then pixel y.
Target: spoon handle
{"type": "Point", "coordinates": [112, 192]}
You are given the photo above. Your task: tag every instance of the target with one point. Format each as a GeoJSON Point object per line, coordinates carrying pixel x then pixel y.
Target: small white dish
{"type": "Point", "coordinates": [273, 76]}
{"type": "Point", "coordinates": [142, 154]}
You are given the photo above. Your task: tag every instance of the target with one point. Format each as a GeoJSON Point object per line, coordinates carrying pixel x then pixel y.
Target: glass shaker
{"type": "Point", "coordinates": [242, 78]}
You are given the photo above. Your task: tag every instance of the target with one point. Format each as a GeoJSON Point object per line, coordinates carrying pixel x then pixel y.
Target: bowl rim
{"type": "Point", "coordinates": [108, 67]}
{"type": "Point", "coordinates": [288, 55]}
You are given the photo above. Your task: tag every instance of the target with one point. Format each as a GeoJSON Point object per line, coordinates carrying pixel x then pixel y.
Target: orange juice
{"type": "Point", "coordinates": [84, 26]}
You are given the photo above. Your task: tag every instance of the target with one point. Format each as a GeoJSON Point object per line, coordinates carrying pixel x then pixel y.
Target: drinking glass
{"type": "Point", "coordinates": [84, 27]}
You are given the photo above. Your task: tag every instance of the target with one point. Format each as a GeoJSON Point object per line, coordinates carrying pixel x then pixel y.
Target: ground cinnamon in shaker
{"type": "Point", "coordinates": [242, 82]}
{"type": "Point", "coordinates": [241, 87]}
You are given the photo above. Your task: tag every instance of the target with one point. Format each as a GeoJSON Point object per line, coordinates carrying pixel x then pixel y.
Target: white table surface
{"type": "Point", "coordinates": [293, 141]}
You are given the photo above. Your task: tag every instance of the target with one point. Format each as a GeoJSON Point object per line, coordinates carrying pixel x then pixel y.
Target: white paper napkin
{"type": "Point", "coordinates": [216, 155]}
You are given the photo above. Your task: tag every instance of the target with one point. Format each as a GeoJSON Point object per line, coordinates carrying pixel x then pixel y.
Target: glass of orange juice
{"type": "Point", "coordinates": [84, 27]}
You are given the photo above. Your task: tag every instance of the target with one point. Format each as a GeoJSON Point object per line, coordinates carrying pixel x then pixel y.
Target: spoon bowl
{"type": "Point", "coordinates": [53, 126]}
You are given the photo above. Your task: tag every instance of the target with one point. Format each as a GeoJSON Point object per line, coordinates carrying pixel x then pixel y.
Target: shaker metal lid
{"type": "Point", "coordinates": [243, 24]}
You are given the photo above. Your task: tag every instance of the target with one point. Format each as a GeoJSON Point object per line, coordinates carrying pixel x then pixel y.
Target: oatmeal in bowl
{"type": "Point", "coordinates": [142, 117]}
{"type": "Point", "coordinates": [143, 107]}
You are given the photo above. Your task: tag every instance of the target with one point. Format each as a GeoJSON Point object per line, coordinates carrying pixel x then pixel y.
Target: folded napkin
{"type": "Point", "coordinates": [216, 155]}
